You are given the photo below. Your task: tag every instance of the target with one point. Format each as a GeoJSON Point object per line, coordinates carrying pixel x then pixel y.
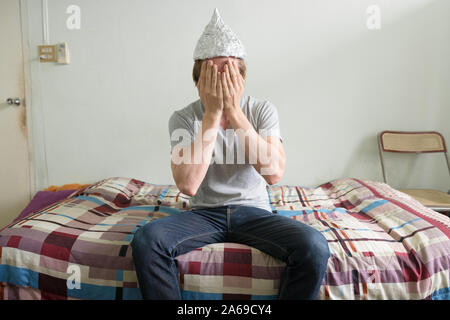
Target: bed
{"type": "Point", "coordinates": [383, 244]}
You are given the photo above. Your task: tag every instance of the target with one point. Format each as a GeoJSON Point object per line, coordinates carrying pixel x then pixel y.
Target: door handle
{"type": "Point", "coordinates": [12, 101]}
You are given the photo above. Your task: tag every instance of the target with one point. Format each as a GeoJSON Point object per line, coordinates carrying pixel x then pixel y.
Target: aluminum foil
{"type": "Point", "coordinates": [218, 40]}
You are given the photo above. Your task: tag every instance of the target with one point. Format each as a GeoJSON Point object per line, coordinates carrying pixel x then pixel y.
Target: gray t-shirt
{"type": "Point", "coordinates": [230, 179]}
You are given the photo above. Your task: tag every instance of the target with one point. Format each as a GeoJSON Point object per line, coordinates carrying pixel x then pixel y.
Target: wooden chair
{"type": "Point", "coordinates": [417, 142]}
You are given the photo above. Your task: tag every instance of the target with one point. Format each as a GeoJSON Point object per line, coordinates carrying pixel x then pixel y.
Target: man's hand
{"type": "Point", "coordinates": [210, 89]}
{"type": "Point", "coordinates": [233, 88]}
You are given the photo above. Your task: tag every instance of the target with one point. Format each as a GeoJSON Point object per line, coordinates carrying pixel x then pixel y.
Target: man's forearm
{"type": "Point", "coordinates": [189, 174]}
{"type": "Point", "coordinates": [265, 158]}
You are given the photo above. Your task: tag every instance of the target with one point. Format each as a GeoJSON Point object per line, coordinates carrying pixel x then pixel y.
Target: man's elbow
{"type": "Point", "coordinates": [273, 179]}
{"type": "Point", "coordinates": [187, 189]}
{"type": "Point", "coordinates": [183, 182]}
{"type": "Point", "coordinates": [273, 174]}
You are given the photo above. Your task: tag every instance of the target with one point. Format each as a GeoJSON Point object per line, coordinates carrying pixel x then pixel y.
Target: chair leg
{"type": "Point", "coordinates": [382, 160]}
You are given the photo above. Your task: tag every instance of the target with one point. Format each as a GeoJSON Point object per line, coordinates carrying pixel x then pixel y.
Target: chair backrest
{"type": "Point", "coordinates": [411, 142]}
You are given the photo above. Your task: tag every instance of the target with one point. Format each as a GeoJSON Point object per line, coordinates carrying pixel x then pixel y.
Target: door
{"type": "Point", "coordinates": [15, 184]}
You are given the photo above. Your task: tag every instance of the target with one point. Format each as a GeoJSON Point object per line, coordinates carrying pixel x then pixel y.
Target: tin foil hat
{"type": "Point", "coordinates": [218, 40]}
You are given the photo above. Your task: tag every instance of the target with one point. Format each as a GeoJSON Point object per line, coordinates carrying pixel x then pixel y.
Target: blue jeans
{"type": "Point", "coordinates": [156, 245]}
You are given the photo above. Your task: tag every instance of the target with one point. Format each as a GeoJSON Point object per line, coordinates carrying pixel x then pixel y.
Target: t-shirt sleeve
{"type": "Point", "coordinates": [180, 130]}
{"type": "Point", "coordinates": [268, 123]}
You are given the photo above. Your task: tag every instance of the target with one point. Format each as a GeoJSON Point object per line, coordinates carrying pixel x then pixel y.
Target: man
{"type": "Point", "coordinates": [227, 185]}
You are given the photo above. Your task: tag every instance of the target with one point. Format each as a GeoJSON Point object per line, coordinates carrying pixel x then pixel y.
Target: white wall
{"type": "Point", "coordinates": [335, 83]}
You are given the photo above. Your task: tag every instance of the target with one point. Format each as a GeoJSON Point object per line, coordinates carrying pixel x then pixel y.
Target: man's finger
{"type": "Point", "coordinates": [238, 73]}
{"type": "Point", "coordinates": [214, 78]}
{"type": "Point", "coordinates": [202, 74]}
{"type": "Point", "coordinates": [228, 78]}
{"type": "Point", "coordinates": [208, 75]}
{"type": "Point", "coordinates": [233, 75]}
{"type": "Point", "coordinates": [219, 86]}
{"type": "Point", "coordinates": [225, 90]}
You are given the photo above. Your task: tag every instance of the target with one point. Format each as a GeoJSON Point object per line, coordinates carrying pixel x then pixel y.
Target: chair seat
{"type": "Point", "coordinates": [430, 198]}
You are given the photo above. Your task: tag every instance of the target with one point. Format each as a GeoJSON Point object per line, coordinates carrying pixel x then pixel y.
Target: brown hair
{"type": "Point", "coordinates": [198, 66]}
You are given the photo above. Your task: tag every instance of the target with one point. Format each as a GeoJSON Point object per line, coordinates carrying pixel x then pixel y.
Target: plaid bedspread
{"type": "Point", "coordinates": [383, 243]}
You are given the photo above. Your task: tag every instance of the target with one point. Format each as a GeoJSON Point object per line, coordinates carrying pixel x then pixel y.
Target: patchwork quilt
{"type": "Point", "coordinates": [383, 244]}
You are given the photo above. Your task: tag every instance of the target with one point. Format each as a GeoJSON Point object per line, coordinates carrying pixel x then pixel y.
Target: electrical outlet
{"type": "Point", "coordinates": [47, 53]}
{"type": "Point", "coordinates": [58, 53]}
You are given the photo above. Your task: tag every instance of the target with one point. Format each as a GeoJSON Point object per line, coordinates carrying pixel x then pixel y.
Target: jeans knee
{"type": "Point", "coordinates": [145, 237]}
{"type": "Point", "coordinates": [312, 250]}
{"type": "Point", "coordinates": [321, 247]}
